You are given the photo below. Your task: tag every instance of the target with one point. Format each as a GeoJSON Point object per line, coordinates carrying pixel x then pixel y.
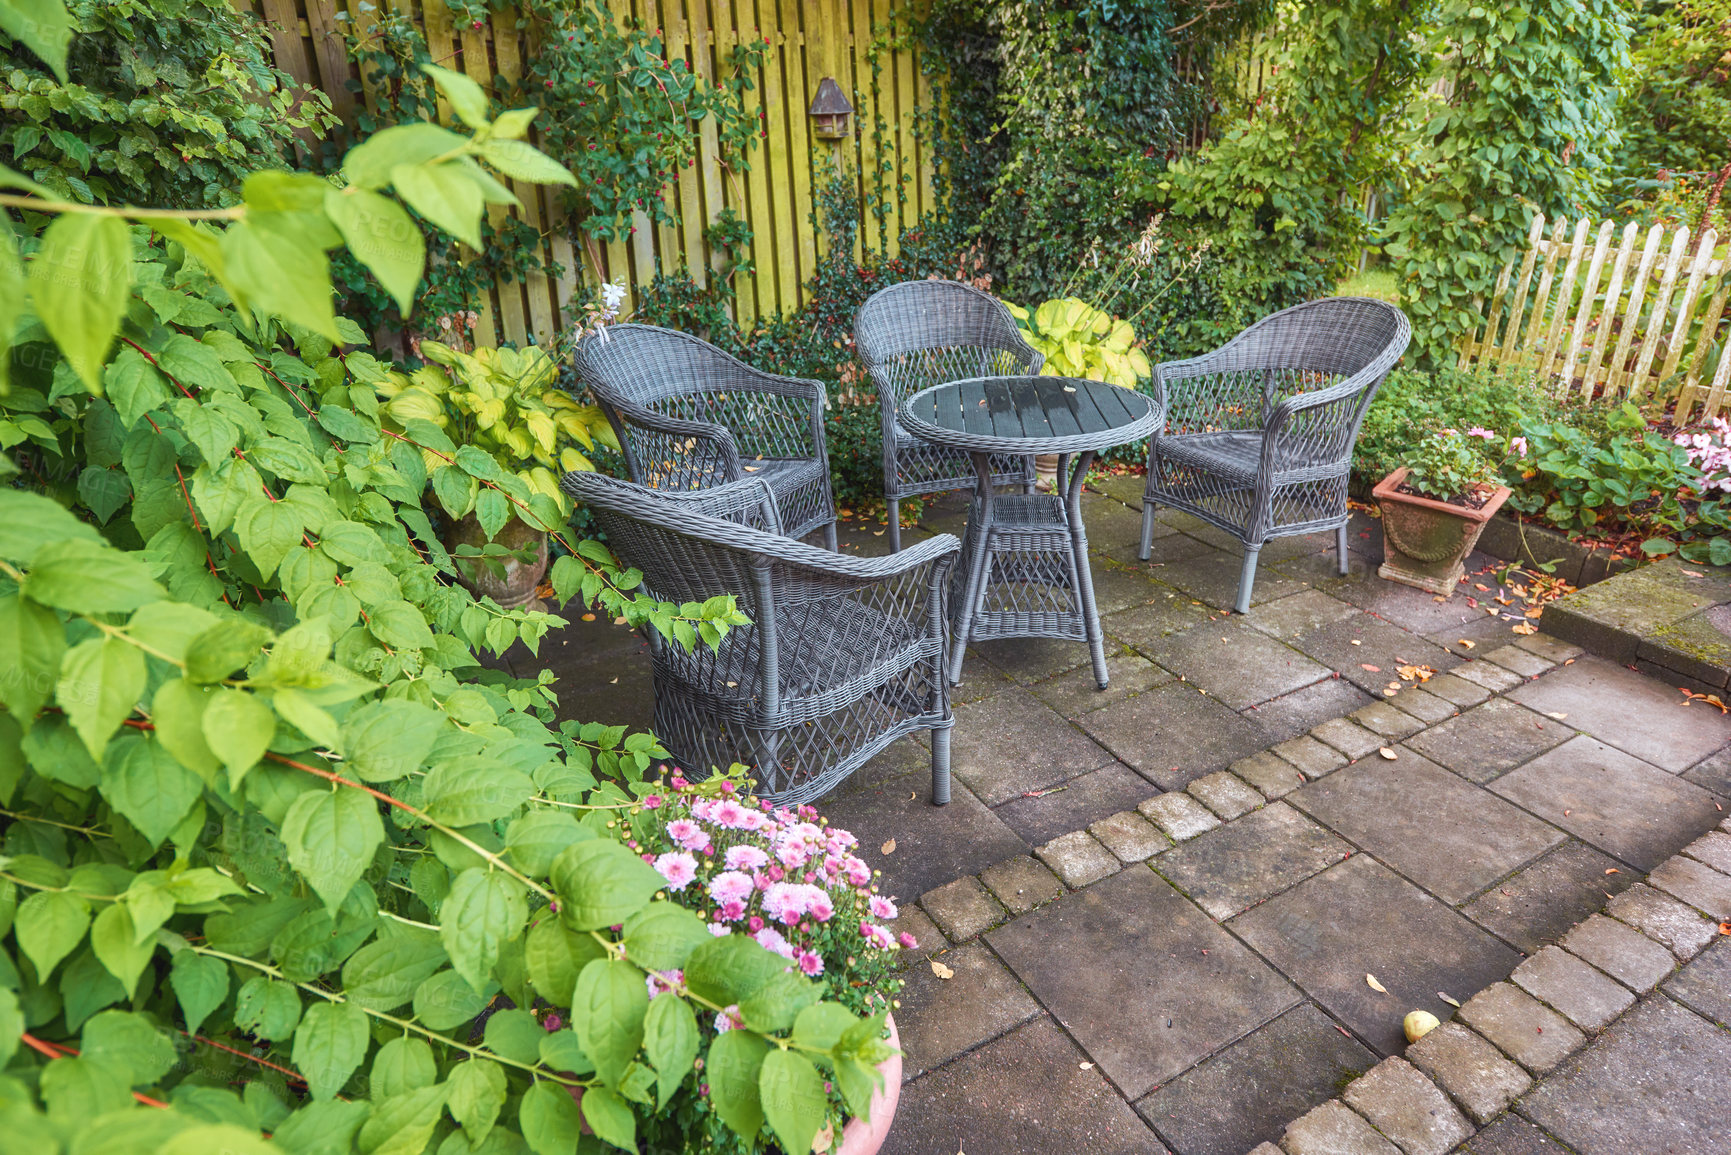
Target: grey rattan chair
{"type": "Point", "coordinates": [1259, 433]}
{"type": "Point", "coordinates": [843, 656]}
{"type": "Point", "coordinates": [690, 416]}
{"type": "Point", "coordinates": [922, 333]}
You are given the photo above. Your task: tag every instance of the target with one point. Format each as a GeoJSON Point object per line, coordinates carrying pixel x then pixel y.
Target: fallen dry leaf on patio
{"type": "Point", "coordinates": [1557, 714]}
{"type": "Point", "coordinates": [1482, 588]}
{"type": "Point", "coordinates": [1371, 668]}
{"type": "Point", "coordinates": [889, 847]}
{"type": "Point", "coordinates": [1443, 995]}
{"type": "Point", "coordinates": [1566, 813]}
{"type": "Point", "coordinates": [1421, 673]}
{"type": "Point", "coordinates": [1725, 928]}
{"type": "Point", "coordinates": [1465, 645]}
{"type": "Point", "coordinates": [942, 971]}
{"type": "Point", "coordinates": [1356, 642]}
{"type": "Point", "coordinates": [588, 617]}
{"type": "Point", "coordinates": [913, 794]}
{"type": "Point", "coordinates": [1390, 692]}
{"type": "Point", "coordinates": [1388, 752]}
{"type": "Point", "coordinates": [1710, 699]}
{"type": "Point", "coordinates": [1526, 628]}
{"type": "Point", "coordinates": [823, 1140]}
{"type": "Point", "coordinates": [1613, 870]}
{"type": "Point", "coordinates": [1086, 1066]}
{"type": "Point", "coordinates": [1370, 981]}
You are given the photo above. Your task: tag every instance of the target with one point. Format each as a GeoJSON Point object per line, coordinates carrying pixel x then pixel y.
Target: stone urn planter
{"type": "Point", "coordinates": [1425, 541]}
{"type": "Point", "coordinates": [1046, 473]}
{"type": "Point", "coordinates": [862, 1138]}
{"type": "Point", "coordinates": [517, 588]}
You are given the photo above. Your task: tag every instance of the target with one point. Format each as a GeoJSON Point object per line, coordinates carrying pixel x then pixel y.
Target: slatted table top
{"type": "Point", "coordinates": [1024, 415]}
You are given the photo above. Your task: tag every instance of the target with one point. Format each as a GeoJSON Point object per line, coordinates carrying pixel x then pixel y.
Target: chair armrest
{"type": "Point", "coordinates": [1323, 423]}
{"type": "Point", "coordinates": [672, 452]}
{"type": "Point", "coordinates": [863, 569]}
{"type": "Point", "coordinates": [748, 501]}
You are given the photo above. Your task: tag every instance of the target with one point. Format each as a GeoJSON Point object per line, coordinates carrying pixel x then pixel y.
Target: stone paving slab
{"type": "Point", "coordinates": [1491, 739]}
{"type": "Point", "coordinates": [1076, 693]}
{"type": "Point", "coordinates": [1236, 866]}
{"type": "Point", "coordinates": [1611, 799]}
{"type": "Point", "coordinates": [1529, 1032]}
{"type": "Point", "coordinates": [1245, 1094]}
{"type": "Point", "coordinates": [1654, 1082]}
{"type": "Point", "coordinates": [1173, 734]}
{"type": "Point", "coordinates": [1299, 614]}
{"type": "Point", "coordinates": [1407, 1107]}
{"type": "Point", "coordinates": [941, 1018]}
{"type": "Point", "coordinates": [992, 740]}
{"type": "Point", "coordinates": [1143, 980]}
{"type": "Point", "coordinates": [1021, 883]}
{"type": "Point", "coordinates": [1378, 643]}
{"type": "Point", "coordinates": [1358, 918]}
{"type": "Point", "coordinates": [1704, 986]}
{"type": "Point", "coordinates": [1238, 665]}
{"type": "Point", "coordinates": [1713, 773]}
{"type": "Point", "coordinates": [981, 1102]}
{"type": "Point", "coordinates": [1078, 802]}
{"type": "Point", "coordinates": [1538, 904]}
{"type": "Point", "coordinates": [1583, 995]}
{"type": "Point", "coordinates": [1444, 834]}
{"type": "Point", "coordinates": [1625, 954]}
{"type": "Point", "coordinates": [1636, 714]}
{"type": "Point", "coordinates": [934, 845]}
{"type": "Point", "coordinates": [1334, 1129]}
{"type": "Point", "coordinates": [1292, 714]}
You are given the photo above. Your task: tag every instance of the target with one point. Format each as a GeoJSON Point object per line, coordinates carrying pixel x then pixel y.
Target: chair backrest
{"type": "Point", "coordinates": [922, 333]}
{"type": "Point", "coordinates": [1337, 336]}
{"type": "Point", "coordinates": [647, 365]}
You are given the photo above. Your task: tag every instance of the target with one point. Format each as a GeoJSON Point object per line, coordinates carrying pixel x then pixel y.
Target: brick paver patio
{"type": "Point", "coordinates": [1162, 906]}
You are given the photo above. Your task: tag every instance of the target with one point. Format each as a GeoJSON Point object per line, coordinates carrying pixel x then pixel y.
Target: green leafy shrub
{"type": "Point", "coordinates": [1413, 403]}
{"type": "Point", "coordinates": [176, 103]}
{"type": "Point", "coordinates": [269, 820]}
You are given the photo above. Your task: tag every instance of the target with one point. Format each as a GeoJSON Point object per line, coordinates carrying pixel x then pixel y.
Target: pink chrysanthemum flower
{"type": "Point", "coordinates": [745, 858]}
{"type": "Point", "coordinates": [730, 815]}
{"type": "Point", "coordinates": [660, 982]}
{"type": "Point", "coordinates": [882, 907]}
{"type": "Point", "coordinates": [858, 872]}
{"type": "Point", "coordinates": [677, 868]}
{"type": "Point", "coordinates": [687, 834]}
{"type": "Point", "coordinates": [818, 904]}
{"type": "Point", "coordinates": [720, 929]}
{"type": "Point", "coordinates": [770, 939]}
{"type": "Point", "coordinates": [652, 802]}
{"type": "Point", "coordinates": [731, 912]}
{"type": "Point", "coordinates": [877, 936]}
{"type": "Point", "coordinates": [810, 964]}
{"type": "Point", "coordinates": [730, 886]}
{"type": "Point", "coordinates": [907, 940]}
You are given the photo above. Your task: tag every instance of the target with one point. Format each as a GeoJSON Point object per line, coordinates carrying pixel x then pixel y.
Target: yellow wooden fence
{"type": "Point", "coordinates": [1636, 317]}
{"type": "Point", "coordinates": [808, 40]}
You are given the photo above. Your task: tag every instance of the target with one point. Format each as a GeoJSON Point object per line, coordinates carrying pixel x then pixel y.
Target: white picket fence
{"type": "Point", "coordinates": [1598, 329]}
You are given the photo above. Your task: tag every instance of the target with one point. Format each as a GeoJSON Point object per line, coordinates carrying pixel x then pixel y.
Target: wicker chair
{"type": "Point", "coordinates": [922, 333]}
{"type": "Point", "coordinates": [689, 416]}
{"type": "Point", "coordinates": [1259, 433]}
{"type": "Point", "coordinates": [844, 654]}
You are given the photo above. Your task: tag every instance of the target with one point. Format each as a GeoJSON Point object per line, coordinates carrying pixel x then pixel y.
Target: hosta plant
{"type": "Point", "coordinates": [504, 403]}
{"type": "Point", "coordinates": [1079, 340]}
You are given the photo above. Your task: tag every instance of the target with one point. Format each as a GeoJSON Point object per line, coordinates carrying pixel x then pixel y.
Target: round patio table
{"type": "Point", "coordinates": [1026, 572]}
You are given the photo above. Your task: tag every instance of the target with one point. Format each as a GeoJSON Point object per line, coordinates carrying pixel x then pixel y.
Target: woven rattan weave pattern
{"type": "Point", "coordinates": [1026, 570]}
{"type": "Point", "coordinates": [923, 333]}
{"type": "Point", "coordinates": [690, 416]}
{"type": "Point", "coordinates": [1259, 433]}
{"type": "Point", "coordinates": [843, 654]}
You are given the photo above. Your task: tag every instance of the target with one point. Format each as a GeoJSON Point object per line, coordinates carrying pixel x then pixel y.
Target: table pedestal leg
{"type": "Point", "coordinates": [1085, 575]}
{"type": "Point", "coordinates": [979, 561]}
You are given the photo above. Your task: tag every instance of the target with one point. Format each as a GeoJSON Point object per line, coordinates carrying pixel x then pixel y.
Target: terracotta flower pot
{"type": "Point", "coordinates": [1425, 542]}
{"type": "Point", "coordinates": [517, 588]}
{"type": "Point", "coordinates": [862, 1138]}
